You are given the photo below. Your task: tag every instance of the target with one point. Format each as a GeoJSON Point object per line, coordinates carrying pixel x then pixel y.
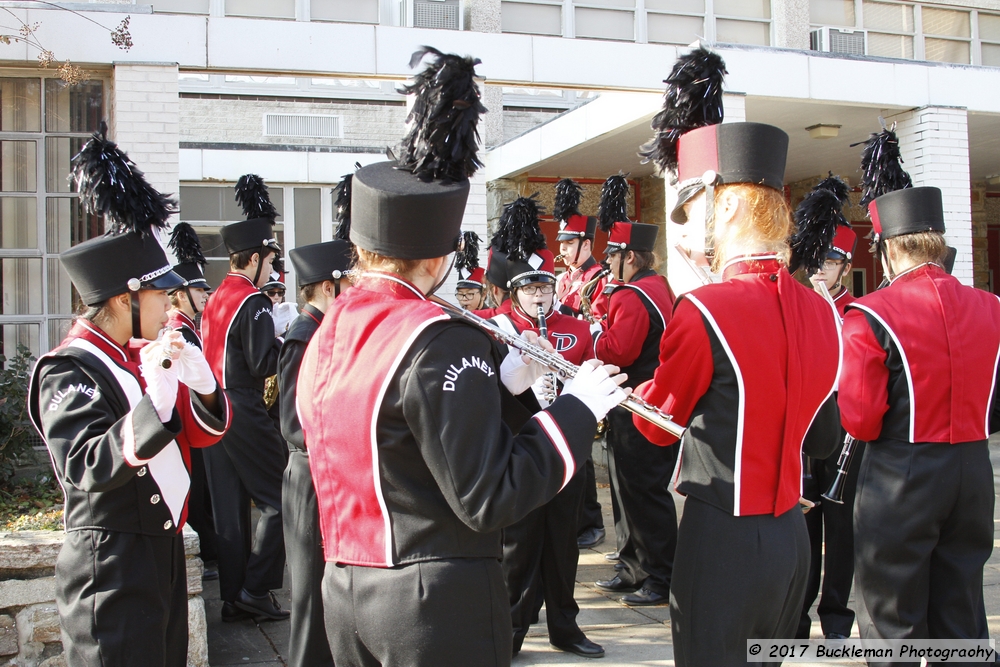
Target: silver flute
{"type": "Point", "coordinates": [565, 369]}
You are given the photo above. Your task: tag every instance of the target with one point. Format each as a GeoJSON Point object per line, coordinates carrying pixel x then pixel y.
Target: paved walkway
{"type": "Point", "coordinates": [630, 636]}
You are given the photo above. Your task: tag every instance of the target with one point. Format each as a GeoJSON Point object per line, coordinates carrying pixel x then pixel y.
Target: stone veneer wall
{"type": "Point", "coordinates": [29, 623]}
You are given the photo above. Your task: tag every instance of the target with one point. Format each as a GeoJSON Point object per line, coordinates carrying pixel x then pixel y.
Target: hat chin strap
{"type": "Point", "coordinates": [136, 319]}
{"type": "Point", "coordinates": [260, 264]}
{"type": "Point", "coordinates": [194, 308]}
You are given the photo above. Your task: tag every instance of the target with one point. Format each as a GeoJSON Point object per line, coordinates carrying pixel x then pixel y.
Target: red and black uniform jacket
{"type": "Point", "coordinates": [120, 468]}
{"type": "Point", "coordinates": [571, 282]}
{"type": "Point", "coordinates": [920, 361]}
{"type": "Point", "coordinates": [843, 299]}
{"type": "Point", "coordinates": [299, 333]}
{"type": "Point", "coordinates": [238, 331]}
{"type": "Point", "coordinates": [400, 407]}
{"type": "Point", "coordinates": [749, 365]}
{"type": "Point", "coordinates": [571, 337]}
{"type": "Point", "coordinates": [638, 313]}
{"type": "Point", "coordinates": [503, 309]}
{"type": "Point", "coordinates": [179, 321]}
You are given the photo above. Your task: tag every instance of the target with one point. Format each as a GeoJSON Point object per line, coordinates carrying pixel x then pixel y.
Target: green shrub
{"type": "Point", "coordinates": [16, 431]}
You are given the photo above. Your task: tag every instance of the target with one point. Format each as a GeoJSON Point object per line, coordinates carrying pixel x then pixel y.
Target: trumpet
{"type": "Point", "coordinates": [564, 369]}
{"type": "Point", "coordinates": [835, 494]}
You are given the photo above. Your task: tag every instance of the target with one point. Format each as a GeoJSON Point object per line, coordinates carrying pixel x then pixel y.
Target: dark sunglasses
{"type": "Point", "coordinates": [275, 292]}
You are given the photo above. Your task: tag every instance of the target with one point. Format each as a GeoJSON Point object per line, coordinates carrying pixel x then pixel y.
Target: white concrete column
{"type": "Point", "coordinates": [790, 19]}
{"type": "Point", "coordinates": [934, 143]}
{"type": "Point", "coordinates": [145, 115]}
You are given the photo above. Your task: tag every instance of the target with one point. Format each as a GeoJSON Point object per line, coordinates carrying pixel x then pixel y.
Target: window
{"type": "Point", "coordinates": [832, 12]}
{"type": "Point", "coordinates": [989, 35]}
{"type": "Point", "coordinates": [542, 18]}
{"type": "Point", "coordinates": [890, 29]}
{"type": "Point", "coordinates": [43, 124]}
{"type": "Point", "coordinates": [947, 35]}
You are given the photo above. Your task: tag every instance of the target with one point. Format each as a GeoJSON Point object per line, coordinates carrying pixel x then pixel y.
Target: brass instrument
{"type": "Point", "coordinates": [585, 307]}
{"type": "Point", "coordinates": [835, 494]}
{"type": "Point", "coordinates": [543, 333]}
{"type": "Point", "coordinates": [270, 391]}
{"type": "Point", "coordinates": [565, 369]}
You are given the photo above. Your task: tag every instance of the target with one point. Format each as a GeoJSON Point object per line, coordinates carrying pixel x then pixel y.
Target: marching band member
{"type": "Point", "coordinates": [639, 306]}
{"type": "Point", "coordinates": [540, 552]}
{"type": "Point", "coordinates": [417, 473]}
{"type": "Point", "coordinates": [119, 415]}
{"type": "Point", "coordinates": [242, 346]}
{"type": "Point", "coordinates": [919, 385]}
{"type": "Point", "coordinates": [749, 393]}
{"type": "Point", "coordinates": [321, 270]}
{"type": "Point", "coordinates": [187, 301]}
{"type": "Point", "coordinates": [495, 282]}
{"type": "Point", "coordinates": [576, 246]}
{"type": "Point", "coordinates": [469, 289]}
{"type": "Point", "coordinates": [831, 525]}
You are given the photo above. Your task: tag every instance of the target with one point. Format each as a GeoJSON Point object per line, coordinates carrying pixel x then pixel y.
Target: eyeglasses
{"type": "Point", "coordinates": [466, 296]}
{"type": "Point", "coordinates": [832, 264]}
{"type": "Point", "coordinates": [275, 292]}
{"type": "Point", "coordinates": [532, 290]}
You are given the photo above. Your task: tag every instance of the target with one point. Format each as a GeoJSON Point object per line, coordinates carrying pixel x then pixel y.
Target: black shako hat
{"type": "Point", "coordinates": [321, 261]}
{"type": "Point", "coordinates": [186, 246]}
{"type": "Point", "coordinates": [496, 267]}
{"type": "Point", "coordinates": [728, 153]}
{"type": "Point", "coordinates": [413, 208]}
{"type": "Point", "coordinates": [907, 211]}
{"type": "Point", "coordinates": [257, 231]}
{"type": "Point", "coordinates": [129, 257]}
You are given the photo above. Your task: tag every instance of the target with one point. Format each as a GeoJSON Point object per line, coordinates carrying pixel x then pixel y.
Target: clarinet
{"type": "Point", "coordinates": [835, 494]}
{"type": "Point", "coordinates": [543, 333]}
{"type": "Point", "coordinates": [564, 369]}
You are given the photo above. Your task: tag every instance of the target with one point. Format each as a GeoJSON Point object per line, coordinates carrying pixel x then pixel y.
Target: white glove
{"type": "Point", "coordinates": [283, 314]}
{"type": "Point", "coordinates": [161, 383]}
{"type": "Point", "coordinates": [596, 329]}
{"type": "Point", "coordinates": [194, 371]}
{"type": "Point", "coordinates": [595, 388]}
{"type": "Point", "coordinates": [517, 375]}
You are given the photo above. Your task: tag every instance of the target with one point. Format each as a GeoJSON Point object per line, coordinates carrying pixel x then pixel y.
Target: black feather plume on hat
{"type": "Point", "coordinates": [693, 99]}
{"type": "Point", "coordinates": [252, 196]}
{"type": "Point", "coordinates": [816, 222]}
{"type": "Point", "coordinates": [342, 206]}
{"type": "Point", "coordinates": [467, 261]}
{"type": "Point", "coordinates": [613, 206]}
{"type": "Point", "coordinates": [518, 233]}
{"type": "Point", "coordinates": [881, 166]}
{"type": "Point", "coordinates": [836, 186]}
{"type": "Point", "coordinates": [185, 245]}
{"type": "Point", "coordinates": [111, 186]}
{"type": "Point", "coordinates": [567, 204]}
{"type": "Point", "coordinates": [443, 141]}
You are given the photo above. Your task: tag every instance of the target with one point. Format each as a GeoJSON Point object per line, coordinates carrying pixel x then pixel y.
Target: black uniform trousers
{"type": "Point", "coordinates": [122, 599]}
{"type": "Point", "coordinates": [923, 530]}
{"type": "Point", "coordinates": [248, 463]}
{"type": "Point", "coordinates": [539, 560]}
{"type": "Point", "coordinates": [428, 614]}
{"type": "Point", "coordinates": [200, 507]}
{"type": "Point", "coordinates": [590, 507]}
{"type": "Point", "coordinates": [735, 578]}
{"type": "Point", "coordinates": [644, 510]}
{"type": "Point", "coordinates": [833, 524]}
{"type": "Point", "coordinates": [307, 643]}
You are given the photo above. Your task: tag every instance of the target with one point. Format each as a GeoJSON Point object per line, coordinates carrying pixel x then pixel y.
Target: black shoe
{"type": "Point", "coordinates": [231, 614]}
{"type": "Point", "coordinates": [645, 598]}
{"type": "Point", "coordinates": [590, 538]}
{"type": "Point", "coordinates": [835, 635]}
{"type": "Point", "coordinates": [583, 648]}
{"type": "Point", "coordinates": [263, 608]}
{"type": "Point", "coordinates": [619, 566]}
{"type": "Point", "coordinates": [615, 585]}
{"type": "Point", "coordinates": [211, 573]}
{"type": "Point", "coordinates": [611, 557]}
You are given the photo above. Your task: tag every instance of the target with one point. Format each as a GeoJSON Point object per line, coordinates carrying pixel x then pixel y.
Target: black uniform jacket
{"type": "Point", "coordinates": [296, 338]}
{"type": "Point", "coordinates": [120, 468]}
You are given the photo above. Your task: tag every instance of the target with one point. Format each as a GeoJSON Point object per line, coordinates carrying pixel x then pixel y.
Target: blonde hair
{"type": "Point", "coordinates": [372, 261]}
{"type": "Point", "coordinates": [766, 225]}
{"type": "Point", "coordinates": [921, 247]}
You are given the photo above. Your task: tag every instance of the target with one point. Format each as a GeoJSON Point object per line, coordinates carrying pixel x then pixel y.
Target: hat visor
{"type": "Point", "coordinates": [685, 195]}
{"type": "Point", "coordinates": [836, 254]}
{"type": "Point", "coordinates": [569, 236]}
{"type": "Point", "coordinates": [528, 278]}
{"type": "Point", "coordinates": [167, 281]}
{"type": "Point", "coordinates": [468, 284]}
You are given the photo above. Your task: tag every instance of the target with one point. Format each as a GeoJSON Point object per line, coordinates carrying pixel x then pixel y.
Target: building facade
{"type": "Point", "coordinates": [300, 91]}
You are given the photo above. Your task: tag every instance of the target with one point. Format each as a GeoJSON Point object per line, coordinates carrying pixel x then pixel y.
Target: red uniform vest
{"type": "Point", "coordinates": [218, 317]}
{"type": "Point", "coordinates": [177, 320]}
{"type": "Point", "coordinates": [570, 282]}
{"type": "Point", "coordinates": [843, 299]}
{"type": "Point", "coordinates": [503, 309]}
{"type": "Point", "coordinates": [342, 368]}
{"type": "Point", "coordinates": [920, 360]}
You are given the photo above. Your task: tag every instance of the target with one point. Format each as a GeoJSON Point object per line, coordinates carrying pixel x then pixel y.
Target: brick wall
{"type": "Point", "coordinates": [144, 120]}
{"type": "Point", "coordinates": [518, 121]}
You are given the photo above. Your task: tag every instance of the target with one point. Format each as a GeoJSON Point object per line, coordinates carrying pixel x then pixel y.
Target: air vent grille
{"type": "Point", "coordinates": [442, 15]}
{"type": "Point", "coordinates": [302, 125]}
